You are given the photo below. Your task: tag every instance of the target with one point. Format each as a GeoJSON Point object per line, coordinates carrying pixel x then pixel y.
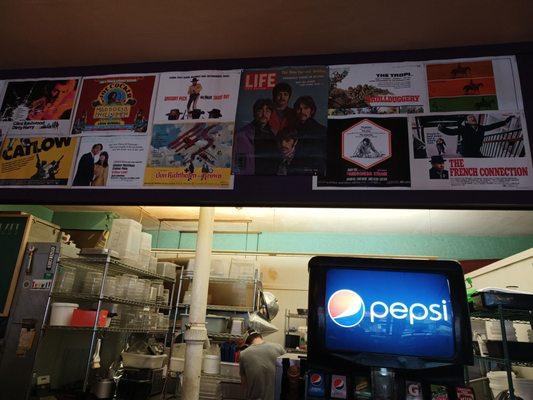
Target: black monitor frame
{"type": "Point", "coordinates": [320, 356]}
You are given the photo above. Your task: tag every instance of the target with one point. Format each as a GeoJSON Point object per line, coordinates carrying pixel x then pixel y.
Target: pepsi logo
{"type": "Point", "coordinates": [316, 379]}
{"type": "Point", "coordinates": [346, 308]}
{"type": "Point", "coordinates": [338, 384]}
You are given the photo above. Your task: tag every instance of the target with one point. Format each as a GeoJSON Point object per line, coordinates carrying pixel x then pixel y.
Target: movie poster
{"type": "Point", "coordinates": [367, 153]}
{"type": "Point", "coordinates": [110, 162]}
{"type": "Point", "coordinates": [38, 106]}
{"type": "Point", "coordinates": [387, 88]}
{"type": "Point", "coordinates": [197, 95]}
{"type": "Point", "coordinates": [195, 155]}
{"type": "Point", "coordinates": [474, 85]}
{"type": "Point", "coordinates": [481, 151]}
{"type": "Point", "coordinates": [37, 161]}
{"type": "Point", "coordinates": [115, 104]}
{"type": "Point", "coordinates": [281, 121]}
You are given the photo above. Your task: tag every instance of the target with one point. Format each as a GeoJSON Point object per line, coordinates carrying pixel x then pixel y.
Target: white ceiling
{"type": "Point", "coordinates": [357, 221]}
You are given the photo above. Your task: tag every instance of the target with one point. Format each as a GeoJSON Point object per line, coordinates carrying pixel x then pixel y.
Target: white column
{"type": "Point", "coordinates": [196, 335]}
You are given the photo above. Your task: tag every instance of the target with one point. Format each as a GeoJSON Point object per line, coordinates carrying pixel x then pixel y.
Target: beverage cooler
{"type": "Point", "coordinates": [387, 329]}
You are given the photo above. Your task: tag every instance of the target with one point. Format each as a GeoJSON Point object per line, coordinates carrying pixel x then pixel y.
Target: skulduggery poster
{"type": "Point", "coordinates": [190, 155]}
{"type": "Point", "coordinates": [110, 162]}
{"type": "Point", "coordinates": [39, 106]}
{"type": "Point", "coordinates": [37, 161]}
{"type": "Point", "coordinates": [387, 88]}
{"type": "Point", "coordinates": [281, 121]}
{"type": "Point", "coordinates": [477, 151]}
{"type": "Point", "coordinates": [197, 95]}
{"type": "Point", "coordinates": [115, 104]}
{"type": "Point", "coordinates": [366, 153]}
{"type": "Point", "coordinates": [474, 85]}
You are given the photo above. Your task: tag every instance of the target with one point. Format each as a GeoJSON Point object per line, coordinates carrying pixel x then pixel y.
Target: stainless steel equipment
{"type": "Point", "coordinates": [25, 320]}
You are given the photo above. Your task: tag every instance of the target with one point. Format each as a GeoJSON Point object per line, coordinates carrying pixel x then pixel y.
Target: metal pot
{"type": "Point", "coordinates": [103, 388]}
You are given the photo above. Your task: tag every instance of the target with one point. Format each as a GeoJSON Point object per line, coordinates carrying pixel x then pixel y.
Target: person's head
{"type": "Point", "coordinates": [437, 162]}
{"type": "Point", "coordinates": [63, 87]}
{"type": "Point", "coordinates": [112, 97]}
{"type": "Point", "coordinates": [287, 140]}
{"type": "Point", "coordinates": [281, 94]}
{"type": "Point", "coordinates": [471, 119]}
{"type": "Point", "coordinates": [366, 141]}
{"type": "Point", "coordinates": [97, 148]}
{"type": "Point", "coordinates": [252, 337]}
{"type": "Point", "coordinates": [263, 109]}
{"type": "Point", "coordinates": [305, 108]}
{"type": "Point", "coordinates": [103, 159]}
{"type": "Point", "coordinates": [194, 81]}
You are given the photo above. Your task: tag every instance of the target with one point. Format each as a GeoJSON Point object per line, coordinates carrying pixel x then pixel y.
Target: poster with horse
{"type": "Point", "coordinates": [474, 85]}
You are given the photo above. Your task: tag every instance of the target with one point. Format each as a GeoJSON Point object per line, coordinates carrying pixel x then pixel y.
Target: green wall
{"type": "Point", "coordinates": [442, 246]}
{"type": "Point", "coordinates": [85, 220]}
{"type": "Point", "coordinates": [38, 211]}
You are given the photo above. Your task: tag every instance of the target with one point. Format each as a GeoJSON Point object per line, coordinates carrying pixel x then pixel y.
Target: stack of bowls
{"type": "Point", "coordinates": [494, 331]}
{"type": "Point", "coordinates": [498, 382]}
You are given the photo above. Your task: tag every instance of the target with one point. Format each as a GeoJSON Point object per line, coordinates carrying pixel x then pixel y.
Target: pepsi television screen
{"type": "Point", "coordinates": [388, 312]}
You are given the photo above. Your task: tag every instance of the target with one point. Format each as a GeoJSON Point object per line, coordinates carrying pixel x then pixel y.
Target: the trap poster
{"type": "Point", "coordinates": [366, 153]}
{"type": "Point", "coordinates": [474, 85]}
{"type": "Point", "coordinates": [190, 155]}
{"type": "Point", "coordinates": [37, 161]}
{"type": "Point", "coordinates": [388, 88]}
{"type": "Point", "coordinates": [281, 121]}
{"type": "Point", "coordinates": [110, 161]}
{"type": "Point", "coordinates": [197, 95]}
{"type": "Point", "coordinates": [481, 151]}
{"type": "Point", "coordinates": [39, 106]}
{"type": "Point", "coordinates": [115, 104]}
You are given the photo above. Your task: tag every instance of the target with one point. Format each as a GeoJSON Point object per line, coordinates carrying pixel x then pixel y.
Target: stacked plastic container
{"type": "Point", "coordinates": [125, 239]}
{"type": "Point", "coordinates": [145, 253]}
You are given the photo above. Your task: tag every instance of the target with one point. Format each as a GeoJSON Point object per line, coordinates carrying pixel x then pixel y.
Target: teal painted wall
{"type": "Point", "coordinates": [38, 211]}
{"type": "Point", "coordinates": [87, 220]}
{"type": "Point", "coordinates": [442, 246]}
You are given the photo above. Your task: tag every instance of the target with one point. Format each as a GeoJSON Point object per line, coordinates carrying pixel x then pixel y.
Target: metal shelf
{"type": "Point", "coordinates": [221, 308]}
{"type": "Point", "coordinates": [115, 266]}
{"type": "Point", "coordinates": [502, 361]}
{"type": "Point", "coordinates": [510, 315]}
{"type": "Point", "coordinates": [216, 279]}
{"type": "Point", "coordinates": [108, 299]}
{"type": "Point", "coordinates": [291, 315]}
{"type": "Point", "coordinates": [109, 329]}
{"type": "Point", "coordinates": [224, 336]}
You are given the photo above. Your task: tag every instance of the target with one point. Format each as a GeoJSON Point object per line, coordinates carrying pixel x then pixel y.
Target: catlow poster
{"type": "Point", "coordinates": [37, 160]}
{"type": "Point", "coordinates": [190, 155]}
{"type": "Point", "coordinates": [474, 85]}
{"type": "Point", "coordinates": [281, 121]}
{"type": "Point", "coordinates": [115, 104]}
{"type": "Point", "coordinates": [36, 107]}
{"type": "Point", "coordinates": [193, 95]}
{"type": "Point", "coordinates": [110, 161]}
{"type": "Point", "coordinates": [367, 153]}
{"type": "Point", "coordinates": [389, 88]}
{"type": "Point", "coordinates": [478, 151]}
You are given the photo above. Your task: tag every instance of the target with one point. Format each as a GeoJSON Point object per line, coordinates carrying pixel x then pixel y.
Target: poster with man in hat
{"type": "Point", "coordinates": [197, 95]}
{"type": "Point", "coordinates": [437, 170]}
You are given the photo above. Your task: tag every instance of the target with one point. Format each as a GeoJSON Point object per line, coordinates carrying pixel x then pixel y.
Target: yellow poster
{"type": "Point", "coordinates": [196, 154]}
{"type": "Point", "coordinates": [37, 160]}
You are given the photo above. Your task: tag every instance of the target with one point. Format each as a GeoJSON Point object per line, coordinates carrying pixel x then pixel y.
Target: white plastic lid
{"type": "Point", "coordinates": [65, 305]}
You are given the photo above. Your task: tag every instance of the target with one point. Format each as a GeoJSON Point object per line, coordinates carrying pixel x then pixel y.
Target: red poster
{"type": "Point", "coordinates": [115, 104]}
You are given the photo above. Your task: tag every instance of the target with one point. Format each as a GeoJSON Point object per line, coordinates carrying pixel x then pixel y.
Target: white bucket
{"type": "Point", "coordinates": [61, 314]}
{"type": "Point", "coordinates": [211, 365]}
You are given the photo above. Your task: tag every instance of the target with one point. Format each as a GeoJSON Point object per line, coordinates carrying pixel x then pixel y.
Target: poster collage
{"type": "Point", "coordinates": [434, 125]}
